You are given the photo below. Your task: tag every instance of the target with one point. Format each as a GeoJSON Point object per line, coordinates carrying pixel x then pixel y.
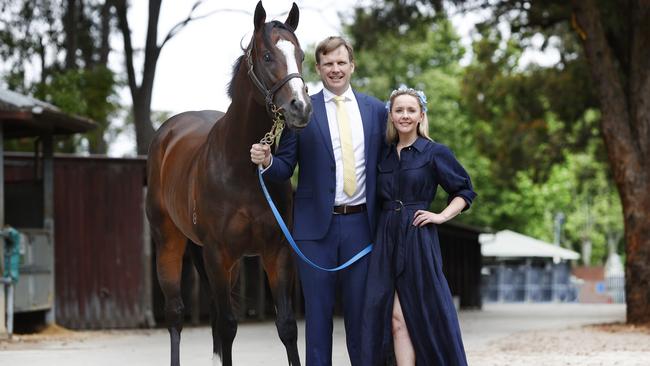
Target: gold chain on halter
{"type": "Point", "coordinates": [276, 130]}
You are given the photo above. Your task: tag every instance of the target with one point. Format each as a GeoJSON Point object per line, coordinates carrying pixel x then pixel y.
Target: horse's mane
{"type": "Point", "coordinates": [240, 59]}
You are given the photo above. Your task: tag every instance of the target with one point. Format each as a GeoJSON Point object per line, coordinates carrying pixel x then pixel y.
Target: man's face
{"type": "Point", "coordinates": [335, 70]}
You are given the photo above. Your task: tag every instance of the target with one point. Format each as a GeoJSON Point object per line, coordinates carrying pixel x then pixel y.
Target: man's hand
{"type": "Point", "coordinates": [261, 154]}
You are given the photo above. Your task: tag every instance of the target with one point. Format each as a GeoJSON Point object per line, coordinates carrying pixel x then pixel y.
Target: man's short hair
{"type": "Point", "coordinates": [331, 43]}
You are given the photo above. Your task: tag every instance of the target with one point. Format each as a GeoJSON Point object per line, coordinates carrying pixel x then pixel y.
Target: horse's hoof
{"type": "Point", "coordinates": [216, 360]}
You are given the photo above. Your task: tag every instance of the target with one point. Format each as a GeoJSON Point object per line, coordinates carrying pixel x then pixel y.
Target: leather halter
{"type": "Point", "coordinates": [267, 93]}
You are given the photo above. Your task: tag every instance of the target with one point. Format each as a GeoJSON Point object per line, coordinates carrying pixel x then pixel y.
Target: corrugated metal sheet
{"type": "Point", "coordinates": [100, 260]}
{"type": "Point", "coordinates": [99, 245]}
{"type": "Point", "coordinates": [99, 251]}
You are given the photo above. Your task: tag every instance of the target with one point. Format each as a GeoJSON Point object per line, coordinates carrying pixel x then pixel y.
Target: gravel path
{"type": "Point", "coordinates": [506, 334]}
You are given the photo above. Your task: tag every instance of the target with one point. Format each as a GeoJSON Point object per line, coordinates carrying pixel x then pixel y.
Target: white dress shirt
{"type": "Point", "coordinates": [356, 126]}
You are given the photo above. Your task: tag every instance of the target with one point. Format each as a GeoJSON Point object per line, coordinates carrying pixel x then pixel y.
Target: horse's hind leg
{"type": "Point", "coordinates": [224, 324]}
{"type": "Point", "coordinates": [197, 258]}
{"type": "Point", "coordinates": [170, 247]}
{"type": "Point", "coordinates": [280, 272]}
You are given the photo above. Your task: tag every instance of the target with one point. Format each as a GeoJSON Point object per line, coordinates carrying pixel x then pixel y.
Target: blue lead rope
{"type": "Point", "coordinates": [287, 234]}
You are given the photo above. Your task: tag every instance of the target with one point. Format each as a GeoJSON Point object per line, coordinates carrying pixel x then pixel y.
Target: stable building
{"type": "Point", "coordinates": [519, 268]}
{"type": "Point", "coordinates": [27, 201]}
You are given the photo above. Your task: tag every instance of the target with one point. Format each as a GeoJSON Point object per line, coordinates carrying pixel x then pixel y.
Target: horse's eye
{"type": "Point", "coordinates": [267, 57]}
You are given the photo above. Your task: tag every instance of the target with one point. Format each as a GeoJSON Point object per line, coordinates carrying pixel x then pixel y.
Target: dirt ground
{"type": "Point", "coordinates": [505, 334]}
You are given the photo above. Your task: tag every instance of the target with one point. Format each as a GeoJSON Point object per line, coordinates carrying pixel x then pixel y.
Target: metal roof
{"type": "Point", "coordinates": [23, 116]}
{"type": "Point", "coordinates": [508, 243]}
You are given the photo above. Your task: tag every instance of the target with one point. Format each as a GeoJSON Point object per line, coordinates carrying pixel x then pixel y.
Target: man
{"type": "Point", "coordinates": [334, 206]}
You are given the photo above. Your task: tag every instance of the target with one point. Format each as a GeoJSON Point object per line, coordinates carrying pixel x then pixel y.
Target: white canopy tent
{"type": "Point", "coordinates": [510, 244]}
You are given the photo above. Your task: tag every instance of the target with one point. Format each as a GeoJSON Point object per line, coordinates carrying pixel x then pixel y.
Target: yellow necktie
{"type": "Point", "coordinates": [347, 150]}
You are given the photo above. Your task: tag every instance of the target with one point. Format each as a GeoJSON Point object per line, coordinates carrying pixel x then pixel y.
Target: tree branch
{"type": "Point", "coordinates": [123, 23]}
{"type": "Point", "coordinates": [151, 50]}
{"type": "Point", "coordinates": [182, 24]}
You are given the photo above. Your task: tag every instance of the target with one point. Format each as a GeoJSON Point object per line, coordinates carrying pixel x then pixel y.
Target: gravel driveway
{"type": "Point", "coordinates": [500, 334]}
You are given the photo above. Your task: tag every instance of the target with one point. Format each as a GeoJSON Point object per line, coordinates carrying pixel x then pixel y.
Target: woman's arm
{"type": "Point", "coordinates": [423, 217]}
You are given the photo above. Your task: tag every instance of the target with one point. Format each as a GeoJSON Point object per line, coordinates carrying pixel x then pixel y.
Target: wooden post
{"type": "Point", "coordinates": [3, 328]}
{"type": "Point", "coordinates": [48, 212]}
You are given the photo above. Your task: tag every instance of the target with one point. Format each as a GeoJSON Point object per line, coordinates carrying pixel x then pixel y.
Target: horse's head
{"type": "Point", "coordinates": [274, 59]}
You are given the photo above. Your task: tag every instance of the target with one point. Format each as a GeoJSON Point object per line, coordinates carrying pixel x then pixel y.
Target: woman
{"type": "Point", "coordinates": [408, 302]}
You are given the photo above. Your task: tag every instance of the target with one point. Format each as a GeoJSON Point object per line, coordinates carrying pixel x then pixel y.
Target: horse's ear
{"type": "Point", "coordinates": [260, 16]}
{"type": "Point", "coordinates": [292, 18]}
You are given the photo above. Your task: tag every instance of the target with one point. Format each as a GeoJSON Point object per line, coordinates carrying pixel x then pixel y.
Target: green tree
{"type": "Point", "coordinates": [613, 39]}
{"type": "Point", "coordinates": [426, 57]}
{"type": "Point", "coordinates": [581, 188]}
{"type": "Point", "coordinates": [58, 52]}
{"type": "Point", "coordinates": [142, 90]}
{"type": "Point", "coordinates": [602, 39]}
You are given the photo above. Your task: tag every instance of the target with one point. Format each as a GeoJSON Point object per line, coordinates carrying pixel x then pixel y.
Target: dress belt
{"type": "Point", "coordinates": [346, 209]}
{"type": "Point", "coordinates": [398, 205]}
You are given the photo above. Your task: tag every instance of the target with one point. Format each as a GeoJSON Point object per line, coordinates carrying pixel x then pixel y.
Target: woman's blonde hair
{"type": "Point", "coordinates": [423, 126]}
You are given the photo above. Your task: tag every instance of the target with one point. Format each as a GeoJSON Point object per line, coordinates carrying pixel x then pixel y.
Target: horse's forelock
{"type": "Point", "coordinates": [268, 30]}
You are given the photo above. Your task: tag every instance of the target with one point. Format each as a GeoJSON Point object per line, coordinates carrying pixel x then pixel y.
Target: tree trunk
{"type": "Point", "coordinates": [141, 95]}
{"type": "Point", "coordinates": [105, 46]}
{"type": "Point", "coordinates": [624, 94]}
{"type": "Point", "coordinates": [70, 19]}
{"type": "Point", "coordinates": [144, 130]}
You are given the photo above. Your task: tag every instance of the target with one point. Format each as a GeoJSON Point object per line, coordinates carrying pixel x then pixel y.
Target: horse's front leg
{"type": "Point", "coordinates": [281, 272]}
{"type": "Point", "coordinates": [224, 323]}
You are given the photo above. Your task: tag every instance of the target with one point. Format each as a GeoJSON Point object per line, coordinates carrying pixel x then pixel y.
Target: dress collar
{"type": "Point", "coordinates": [419, 144]}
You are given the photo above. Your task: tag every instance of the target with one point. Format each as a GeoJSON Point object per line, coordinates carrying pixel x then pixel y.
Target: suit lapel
{"type": "Point", "coordinates": [320, 117]}
{"type": "Point", "coordinates": [366, 120]}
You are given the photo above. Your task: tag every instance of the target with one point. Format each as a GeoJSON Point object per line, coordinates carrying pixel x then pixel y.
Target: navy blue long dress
{"type": "Point", "coordinates": [407, 259]}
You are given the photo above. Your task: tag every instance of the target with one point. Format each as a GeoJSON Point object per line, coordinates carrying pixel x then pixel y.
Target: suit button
{"type": "Point", "coordinates": [331, 190]}
{"type": "Point", "coordinates": [332, 168]}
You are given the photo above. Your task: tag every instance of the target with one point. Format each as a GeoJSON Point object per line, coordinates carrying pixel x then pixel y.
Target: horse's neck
{"type": "Point", "coordinates": [244, 124]}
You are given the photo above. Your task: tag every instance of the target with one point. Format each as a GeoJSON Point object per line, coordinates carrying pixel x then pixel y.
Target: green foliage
{"type": "Point", "coordinates": [538, 126]}
{"type": "Point", "coordinates": [528, 135]}
{"type": "Point", "coordinates": [525, 117]}
{"type": "Point", "coordinates": [581, 188]}
{"type": "Point", "coordinates": [85, 92]}
{"type": "Point", "coordinates": [60, 61]}
{"type": "Point", "coordinates": [428, 58]}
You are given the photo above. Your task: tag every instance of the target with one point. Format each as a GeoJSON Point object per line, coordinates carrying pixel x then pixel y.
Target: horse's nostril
{"type": "Point", "coordinates": [297, 105]}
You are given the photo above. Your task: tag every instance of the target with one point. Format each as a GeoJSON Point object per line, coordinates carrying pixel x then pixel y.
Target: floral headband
{"type": "Point", "coordinates": [410, 91]}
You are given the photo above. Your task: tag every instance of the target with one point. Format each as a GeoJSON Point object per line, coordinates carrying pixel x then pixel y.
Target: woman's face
{"type": "Point", "coordinates": [406, 113]}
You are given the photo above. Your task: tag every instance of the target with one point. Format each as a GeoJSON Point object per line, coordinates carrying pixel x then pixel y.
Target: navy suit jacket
{"type": "Point", "coordinates": [312, 150]}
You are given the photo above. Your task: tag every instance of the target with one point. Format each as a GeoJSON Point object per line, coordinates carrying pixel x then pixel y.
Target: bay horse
{"type": "Point", "coordinates": [204, 193]}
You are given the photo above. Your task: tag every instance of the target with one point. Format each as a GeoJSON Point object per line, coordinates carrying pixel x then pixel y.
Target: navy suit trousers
{"type": "Point", "coordinates": [347, 235]}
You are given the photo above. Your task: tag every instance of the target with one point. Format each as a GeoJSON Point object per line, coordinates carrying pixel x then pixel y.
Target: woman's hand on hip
{"type": "Point", "coordinates": [423, 217]}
